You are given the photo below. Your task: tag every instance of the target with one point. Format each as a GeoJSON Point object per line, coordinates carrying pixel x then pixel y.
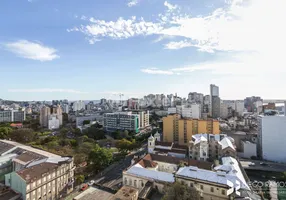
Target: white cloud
{"type": "Point", "coordinates": [170, 6]}
{"type": "Point", "coordinates": [120, 29]}
{"type": "Point", "coordinates": [157, 71]}
{"type": "Point", "coordinates": [45, 90]}
{"type": "Point", "coordinates": [32, 50]}
{"type": "Point", "coordinates": [132, 3]}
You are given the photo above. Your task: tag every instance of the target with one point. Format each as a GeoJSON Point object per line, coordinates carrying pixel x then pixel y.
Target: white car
{"type": "Point", "coordinates": [91, 182]}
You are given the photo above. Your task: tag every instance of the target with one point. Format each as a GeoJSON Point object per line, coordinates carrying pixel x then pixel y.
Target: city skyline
{"type": "Point", "coordinates": [66, 50]}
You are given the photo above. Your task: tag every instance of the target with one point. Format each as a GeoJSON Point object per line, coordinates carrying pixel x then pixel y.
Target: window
{"type": "Point", "coordinates": [34, 192]}
{"type": "Point", "coordinates": [135, 183]}
{"type": "Point", "coordinates": [212, 189]}
{"type": "Point", "coordinates": [28, 187]}
{"type": "Point", "coordinates": [125, 181]}
{"type": "Point", "coordinates": [202, 187]}
{"type": "Point", "coordinates": [191, 185]}
{"type": "Point", "coordinates": [223, 192]}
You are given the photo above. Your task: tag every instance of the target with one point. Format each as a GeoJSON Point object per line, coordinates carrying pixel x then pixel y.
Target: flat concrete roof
{"type": "Point", "coordinates": [93, 193]}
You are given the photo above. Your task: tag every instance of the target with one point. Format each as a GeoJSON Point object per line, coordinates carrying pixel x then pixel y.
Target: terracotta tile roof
{"type": "Point", "coordinates": [200, 164]}
{"type": "Point", "coordinates": [147, 163]}
{"type": "Point", "coordinates": [177, 146]}
{"type": "Point", "coordinates": [181, 151]}
{"type": "Point", "coordinates": [33, 173]}
{"type": "Point", "coordinates": [167, 144]}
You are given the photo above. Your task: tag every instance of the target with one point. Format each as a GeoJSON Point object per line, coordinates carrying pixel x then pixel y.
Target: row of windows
{"type": "Point", "coordinates": [202, 188]}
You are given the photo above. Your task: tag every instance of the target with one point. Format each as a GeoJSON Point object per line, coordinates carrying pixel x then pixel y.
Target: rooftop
{"type": "Point", "coordinates": [226, 174]}
{"type": "Point", "coordinates": [11, 144]}
{"type": "Point", "coordinates": [138, 170]}
{"type": "Point", "coordinates": [5, 147]}
{"type": "Point", "coordinates": [31, 174]}
{"type": "Point", "coordinates": [125, 193]}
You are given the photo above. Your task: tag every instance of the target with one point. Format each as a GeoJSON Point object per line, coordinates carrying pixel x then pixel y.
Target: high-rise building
{"type": "Point", "coordinates": [179, 130]}
{"type": "Point", "coordinates": [121, 121]}
{"type": "Point", "coordinates": [215, 101]}
{"type": "Point", "coordinates": [270, 139]}
{"type": "Point", "coordinates": [143, 118]}
{"type": "Point", "coordinates": [56, 114]}
{"type": "Point", "coordinates": [45, 111]}
{"type": "Point", "coordinates": [78, 105]}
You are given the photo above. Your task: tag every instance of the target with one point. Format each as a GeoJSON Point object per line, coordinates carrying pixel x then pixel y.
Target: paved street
{"type": "Point", "coordinates": [113, 179]}
{"type": "Point", "coordinates": [267, 166]}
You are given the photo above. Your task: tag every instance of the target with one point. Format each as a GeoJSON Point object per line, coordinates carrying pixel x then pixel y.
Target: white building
{"type": "Point", "coordinates": [53, 122]}
{"type": "Point", "coordinates": [65, 108]}
{"type": "Point", "coordinates": [249, 149]}
{"type": "Point", "coordinates": [239, 107]}
{"type": "Point", "coordinates": [78, 105]}
{"type": "Point", "coordinates": [193, 111]}
{"type": "Point", "coordinates": [271, 138]}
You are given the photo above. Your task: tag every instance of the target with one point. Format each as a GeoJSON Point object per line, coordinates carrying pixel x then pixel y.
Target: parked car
{"type": "Point", "coordinates": [84, 187]}
{"type": "Point", "coordinates": [90, 183]}
{"type": "Point", "coordinates": [263, 164]}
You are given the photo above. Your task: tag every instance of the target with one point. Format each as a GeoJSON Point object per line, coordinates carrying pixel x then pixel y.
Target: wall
{"type": "Point", "coordinates": [273, 138]}
{"type": "Point", "coordinates": [16, 183]}
{"type": "Point", "coordinates": [168, 128]}
{"type": "Point", "coordinates": [216, 127]}
{"type": "Point", "coordinates": [249, 149]}
{"type": "Point", "coordinates": [207, 193]}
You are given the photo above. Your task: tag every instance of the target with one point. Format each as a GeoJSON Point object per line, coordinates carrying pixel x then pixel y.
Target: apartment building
{"type": "Point", "coordinates": [270, 138]}
{"type": "Point", "coordinates": [211, 147]}
{"type": "Point", "coordinates": [50, 116]}
{"type": "Point", "coordinates": [193, 111]}
{"type": "Point", "coordinates": [215, 101]}
{"type": "Point", "coordinates": [143, 118]}
{"type": "Point", "coordinates": [34, 173]}
{"type": "Point", "coordinates": [12, 116]}
{"type": "Point", "coordinates": [180, 130]}
{"type": "Point", "coordinates": [121, 121]}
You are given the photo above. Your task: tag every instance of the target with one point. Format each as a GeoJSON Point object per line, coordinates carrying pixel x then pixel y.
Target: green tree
{"type": "Point", "coordinates": [125, 145]}
{"type": "Point", "coordinates": [79, 179]}
{"type": "Point", "coordinates": [100, 157]}
{"type": "Point", "coordinates": [95, 133]}
{"type": "Point", "coordinates": [124, 134]}
{"type": "Point", "coordinates": [85, 122]}
{"type": "Point", "coordinates": [116, 135]}
{"type": "Point", "coordinates": [79, 158]}
{"type": "Point", "coordinates": [65, 118]}
{"type": "Point", "coordinates": [179, 191]}
{"type": "Point", "coordinates": [24, 135]}
{"type": "Point", "coordinates": [64, 132]}
{"type": "Point", "coordinates": [77, 132]}
{"type": "Point", "coordinates": [4, 132]}
{"type": "Point", "coordinates": [86, 147]}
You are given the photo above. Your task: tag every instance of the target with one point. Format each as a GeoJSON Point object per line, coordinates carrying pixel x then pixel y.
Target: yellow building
{"type": "Point", "coordinates": [179, 130]}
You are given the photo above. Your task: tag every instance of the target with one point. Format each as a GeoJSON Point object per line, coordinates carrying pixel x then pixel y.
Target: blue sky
{"type": "Point", "coordinates": [90, 49]}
